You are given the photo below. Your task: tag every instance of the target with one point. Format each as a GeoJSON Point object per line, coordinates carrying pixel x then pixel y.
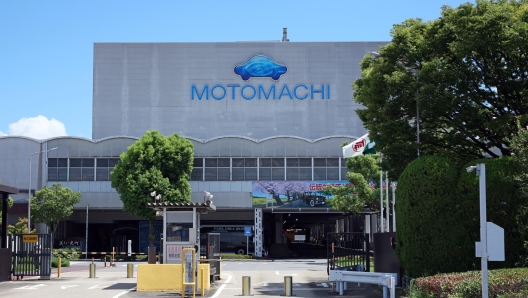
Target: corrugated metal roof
{"type": "Point", "coordinates": [182, 206]}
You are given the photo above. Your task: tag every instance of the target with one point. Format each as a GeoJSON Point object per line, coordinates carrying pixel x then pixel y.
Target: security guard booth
{"type": "Point", "coordinates": [181, 227]}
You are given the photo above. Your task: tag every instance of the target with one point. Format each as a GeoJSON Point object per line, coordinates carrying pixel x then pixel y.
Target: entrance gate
{"type": "Point", "coordinates": [348, 252]}
{"type": "Point", "coordinates": [31, 254]}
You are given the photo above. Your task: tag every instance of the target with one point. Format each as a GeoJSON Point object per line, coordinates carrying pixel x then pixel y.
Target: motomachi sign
{"type": "Point", "coordinates": [259, 92]}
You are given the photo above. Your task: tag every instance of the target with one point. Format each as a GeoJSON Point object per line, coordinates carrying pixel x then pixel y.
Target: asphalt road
{"type": "Point", "coordinates": [309, 279]}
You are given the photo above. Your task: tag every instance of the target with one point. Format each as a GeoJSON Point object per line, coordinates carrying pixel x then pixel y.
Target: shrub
{"type": "Point", "coordinates": [510, 283]}
{"type": "Point", "coordinates": [55, 262]}
{"type": "Point", "coordinates": [503, 202]}
{"type": "Point", "coordinates": [235, 257]}
{"type": "Point", "coordinates": [429, 235]}
{"type": "Point", "coordinates": [67, 253]}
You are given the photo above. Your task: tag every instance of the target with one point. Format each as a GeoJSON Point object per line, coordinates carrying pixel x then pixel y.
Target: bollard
{"type": "Point", "coordinates": [246, 286]}
{"type": "Point", "coordinates": [130, 270]}
{"type": "Point", "coordinates": [202, 282]}
{"type": "Point", "coordinates": [287, 286]}
{"type": "Point", "coordinates": [58, 267]}
{"type": "Point", "coordinates": [92, 270]}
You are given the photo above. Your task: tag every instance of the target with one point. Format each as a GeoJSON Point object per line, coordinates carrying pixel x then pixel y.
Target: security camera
{"type": "Point", "coordinates": [470, 169]}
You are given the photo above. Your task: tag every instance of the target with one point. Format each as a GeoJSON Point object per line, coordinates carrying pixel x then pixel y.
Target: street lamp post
{"type": "Point", "coordinates": [481, 172]}
{"type": "Point", "coordinates": [29, 190]}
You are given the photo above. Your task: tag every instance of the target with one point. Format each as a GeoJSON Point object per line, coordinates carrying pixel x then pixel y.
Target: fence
{"type": "Point", "coordinates": [348, 251]}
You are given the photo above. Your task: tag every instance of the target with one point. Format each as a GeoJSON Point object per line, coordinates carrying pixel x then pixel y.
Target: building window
{"type": "Point", "coordinates": [326, 169]}
{"type": "Point", "coordinates": [197, 171]}
{"type": "Point", "coordinates": [344, 169]}
{"type": "Point", "coordinates": [104, 168]}
{"type": "Point", "coordinates": [271, 169]}
{"type": "Point", "coordinates": [57, 169]}
{"type": "Point", "coordinates": [82, 169]}
{"type": "Point", "coordinates": [244, 169]}
{"type": "Point", "coordinates": [217, 169]}
{"type": "Point", "coordinates": [298, 169]}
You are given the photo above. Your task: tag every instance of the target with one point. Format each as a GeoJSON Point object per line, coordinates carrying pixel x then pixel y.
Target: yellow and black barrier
{"type": "Point", "coordinates": [98, 253]}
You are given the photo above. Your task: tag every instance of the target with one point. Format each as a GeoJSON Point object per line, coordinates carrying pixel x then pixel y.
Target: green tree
{"type": "Point", "coordinates": [20, 227]}
{"type": "Point", "coordinates": [355, 197]}
{"type": "Point", "coordinates": [466, 74]}
{"type": "Point", "coordinates": [53, 204]}
{"type": "Point", "coordinates": [153, 163]}
{"type": "Point", "coordinates": [519, 146]}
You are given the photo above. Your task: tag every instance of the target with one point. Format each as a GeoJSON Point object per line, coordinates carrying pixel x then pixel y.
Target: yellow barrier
{"type": "Point", "coordinates": [204, 276]}
{"type": "Point", "coordinates": [167, 277]}
{"type": "Point", "coordinates": [159, 277]}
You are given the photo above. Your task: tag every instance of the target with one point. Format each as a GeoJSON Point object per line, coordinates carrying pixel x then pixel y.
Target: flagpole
{"type": "Point", "coordinates": [387, 197]}
{"type": "Point", "coordinates": [382, 226]}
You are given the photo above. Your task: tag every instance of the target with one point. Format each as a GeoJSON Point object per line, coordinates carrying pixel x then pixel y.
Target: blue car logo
{"type": "Point", "coordinates": [260, 67]}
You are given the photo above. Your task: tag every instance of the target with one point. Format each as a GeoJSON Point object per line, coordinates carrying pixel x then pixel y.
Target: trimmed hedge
{"type": "Point", "coordinates": [504, 283]}
{"type": "Point", "coordinates": [55, 262]}
{"type": "Point", "coordinates": [429, 234]}
{"type": "Point", "coordinates": [503, 202]}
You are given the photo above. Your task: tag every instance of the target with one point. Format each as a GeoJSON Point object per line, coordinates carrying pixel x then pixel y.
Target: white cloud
{"type": "Point", "coordinates": [38, 128]}
{"type": "Point", "coordinates": [2, 134]}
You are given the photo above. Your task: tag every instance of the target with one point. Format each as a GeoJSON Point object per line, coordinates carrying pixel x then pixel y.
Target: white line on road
{"type": "Point", "coordinates": [325, 285]}
{"type": "Point", "coordinates": [30, 287]}
{"type": "Point", "coordinates": [221, 287]}
{"type": "Point", "coordinates": [277, 272]}
{"type": "Point", "coordinates": [117, 296]}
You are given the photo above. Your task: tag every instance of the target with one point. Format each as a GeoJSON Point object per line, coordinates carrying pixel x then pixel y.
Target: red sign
{"type": "Point", "coordinates": [357, 147]}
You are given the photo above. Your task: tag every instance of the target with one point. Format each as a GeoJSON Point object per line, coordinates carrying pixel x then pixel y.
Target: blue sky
{"type": "Point", "coordinates": [46, 52]}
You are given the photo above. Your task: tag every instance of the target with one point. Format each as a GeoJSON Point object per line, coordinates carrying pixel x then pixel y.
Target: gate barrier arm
{"type": "Point", "coordinates": [387, 280]}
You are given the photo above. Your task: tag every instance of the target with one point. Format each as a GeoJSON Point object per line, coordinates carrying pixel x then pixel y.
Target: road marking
{"type": "Point", "coordinates": [221, 287]}
{"type": "Point", "coordinates": [264, 284]}
{"type": "Point", "coordinates": [277, 272]}
{"type": "Point", "coordinates": [325, 285]}
{"type": "Point", "coordinates": [95, 287]}
{"type": "Point", "coordinates": [122, 293]}
{"type": "Point", "coordinates": [30, 287]}
{"type": "Point", "coordinates": [70, 286]}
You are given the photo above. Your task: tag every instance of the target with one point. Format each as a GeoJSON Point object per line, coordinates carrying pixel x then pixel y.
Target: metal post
{"type": "Point", "coordinates": [92, 270]}
{"type": "Point", "coordinates": [86, 241]}
{"type": "Point", "coordinates": [202, 282]}
{"type": "Point", "coordinates": [130, 270]}
{"type": "Point", "coordinates": [382, 226]}
{"type": "Point", "coordinates": [29, 190]}
{"type": "Point", "coordinates": [58, 267]}
{"type": "Point", "coordinates": [246, 285]}
{"type": "Point", "coordinates": [387, 214]}
{"type": "Point", "coordinates": [393, 206]}
{"type": "Point", "coordinates": [481, 172]}
{"type": "Point", "coordinates": [288, 286]}
{"type": "Point", "coordinates": [29, 195]}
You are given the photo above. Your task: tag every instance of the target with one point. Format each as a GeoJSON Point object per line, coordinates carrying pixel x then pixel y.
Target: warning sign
{"type": "Point", "coordinates": [29, 238]}
{"type": "Point", "coordinates": [174, 252]}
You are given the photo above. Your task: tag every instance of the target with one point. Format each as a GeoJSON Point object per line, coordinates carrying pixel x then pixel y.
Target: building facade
{"type": "Point", "coordinates": [267, 120]}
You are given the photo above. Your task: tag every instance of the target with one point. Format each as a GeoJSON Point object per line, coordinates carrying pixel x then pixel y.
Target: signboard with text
{"type": "Point", "coordinates": [293, 194]}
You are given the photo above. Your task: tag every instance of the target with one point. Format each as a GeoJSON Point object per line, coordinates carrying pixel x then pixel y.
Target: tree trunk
{"type": "Point", "coordinates": [151, 247]}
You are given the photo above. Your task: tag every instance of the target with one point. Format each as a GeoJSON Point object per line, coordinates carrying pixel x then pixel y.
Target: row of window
{"type": "Point", "coordinates": [210, 169]}
{"type": "Point", "coordinates": [80, 169]}
{"type": "Point", "coordinates": [246, 169]}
